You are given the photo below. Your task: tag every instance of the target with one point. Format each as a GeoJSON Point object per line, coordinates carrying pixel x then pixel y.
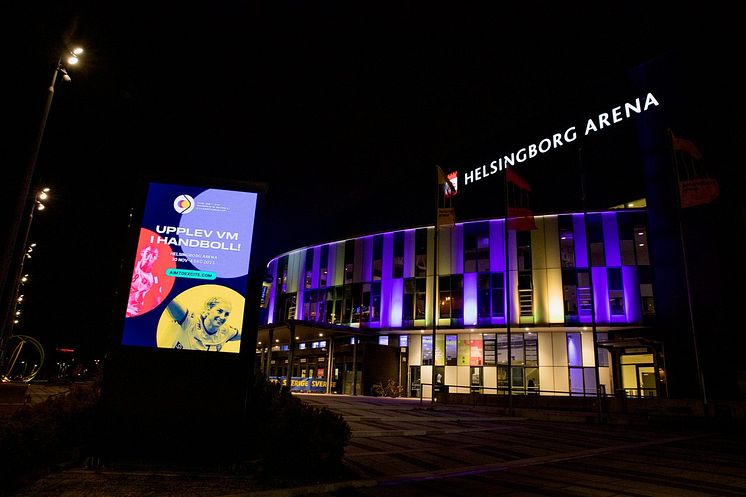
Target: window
{"type": "Point", "coordinates": [531, 348]}
{"type": "Point", "coordinates": [498, 295]}
{"type": "Point", "coordinates": [323, 265]}
{"type": "Point", "coordinates": [484, 294]}
{"type": "Point", "coordinates": [281, 308]}
{"type": "Point", "coordinates": [420, 252]}
{"type": "Point", "coordinates": [570, 295]}
{"type": "Point", "coordinates": [574, 350]}
{"type": "Point", "coordinates": [648, 305]}
{"type": "Point", "coordinates": [616, 291]}
{"type": "Point", "coordinates": [398, 262]}
{"type": "Point", "coordinates": [483, 251]}
{"type": "Point", "coordinates": [490, 349]}
{"type": "Point", "coordinates": [311, 305]}
{"type": "Point", "coordinates": [645, 277]}
{"type": "Point", "coordinates": [451, 296]}
{"type": "Point", "coordinates": [351, 303]}
{"type": "Point", "coordinates": [596, 239]}
{"type": "Point", "coordinates": [307, 283]}
{"type": "Point", "coordinates": [490, 295]}
{"type": "Point", "coordinates": [641, 246]}
{"type": "Point", "coordinates": [288, 306]}
{"type": "Point", "coordinates": [567, 242]}
{"type": "Point", "coordinates": [377, 257]}
{"type": "Point", "coordinates": [366, 306]}
{"type": "Point", "coordinates": [282, 274]}
{"type": "Point", "coordinates": [476, 247]}
{"type": "Point", "coordinates": [365, 303]}
{"type": "Point", "coordinates": [414, 300]}
{"type": "Point", "coordinates": [408, 307]}
{"type": "Point", "coordinates": [602, 355]}
{"type": "Point", "coordinates": [517, 351]}
{"type": "Point", "coordinates": [375, 302]}
{"type": "Point", "coordinates": [502, 348]}
{"type": "Point", "coordinates": [333, 304]}
{"type": "Point", "coordinates": [349, 260]}
{"type": "Point", "coordinates": [585, 303]}
{"type": "Point", "coordinates": [525, 293]}
{"type": "Point", "coordinates": [523, 240]}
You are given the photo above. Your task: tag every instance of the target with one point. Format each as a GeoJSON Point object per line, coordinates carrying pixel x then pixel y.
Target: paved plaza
{"type": "Point", "coordinates": [404, 447]}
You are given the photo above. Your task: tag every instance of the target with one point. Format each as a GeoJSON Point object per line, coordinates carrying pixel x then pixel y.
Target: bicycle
{"type": "Point", "coordinates": [391, 389]}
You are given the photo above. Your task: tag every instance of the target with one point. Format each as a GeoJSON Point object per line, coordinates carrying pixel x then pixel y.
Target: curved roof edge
{"type": "Point", "coordinates": [468, 221]}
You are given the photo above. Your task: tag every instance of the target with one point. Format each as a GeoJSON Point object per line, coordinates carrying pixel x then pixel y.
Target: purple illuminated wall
{"type": "Point", "coordinates": [392, 289]}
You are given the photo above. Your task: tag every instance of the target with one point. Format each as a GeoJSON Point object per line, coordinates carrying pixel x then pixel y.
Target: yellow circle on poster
{"type": "Point", "coordinates": [200, 304]}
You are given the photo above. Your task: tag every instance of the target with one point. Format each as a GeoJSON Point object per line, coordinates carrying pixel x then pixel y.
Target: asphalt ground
{"type": "Point", "coordinates": [404, 447]}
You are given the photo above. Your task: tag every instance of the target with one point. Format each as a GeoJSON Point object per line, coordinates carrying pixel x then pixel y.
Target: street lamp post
{"type": "Point", "coordinates": [15, 249]}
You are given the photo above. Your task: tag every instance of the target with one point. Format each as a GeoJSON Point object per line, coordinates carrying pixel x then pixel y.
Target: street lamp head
{"type": "Point", "coordinates": [65, 76]}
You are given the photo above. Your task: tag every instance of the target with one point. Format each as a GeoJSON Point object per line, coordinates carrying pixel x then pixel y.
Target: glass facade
{"type": "Point", "coordinates": [555, 282]}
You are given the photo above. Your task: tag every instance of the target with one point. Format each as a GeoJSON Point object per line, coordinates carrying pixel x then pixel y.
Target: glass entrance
{"type": "Point", "coordinates": [638, 375]}
{"type": "Point", "coordinates": [414, 381]}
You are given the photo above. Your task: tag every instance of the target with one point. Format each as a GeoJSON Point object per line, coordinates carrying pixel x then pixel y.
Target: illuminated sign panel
{"type": "Point", "coordinates": [557, 140]}
{"type": "Point", "coordinates": [190, 276]}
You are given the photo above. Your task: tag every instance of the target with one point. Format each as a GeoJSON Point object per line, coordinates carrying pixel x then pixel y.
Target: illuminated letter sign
{"type": "Point", "coordinates": [557, 140]}
{"type": "Point", "coordinates": [191, 269]}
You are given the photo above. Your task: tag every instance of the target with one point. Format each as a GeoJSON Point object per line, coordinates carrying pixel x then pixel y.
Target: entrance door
{"type": "Point", "coordinates": [414, 381]}
{"type": "Point", "coordinates": [638, 375]}
{"type": "Point", "coordinates": [647, 381]}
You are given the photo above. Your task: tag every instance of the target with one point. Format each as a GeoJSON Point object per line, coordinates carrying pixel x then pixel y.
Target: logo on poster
{"type": "Point", "coordinates": [184, 204]}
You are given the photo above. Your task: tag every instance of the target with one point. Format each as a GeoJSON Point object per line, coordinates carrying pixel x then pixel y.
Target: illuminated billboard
{"type": "Point", "coordinates": [191, 269]}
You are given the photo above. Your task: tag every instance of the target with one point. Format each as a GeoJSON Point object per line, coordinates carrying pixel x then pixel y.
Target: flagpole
{"type": "Point", "coordinates": [435, 275]}
{"type": "Point", "coordinates": [508, 293]}
{"type": "Point", "coordinates": [700, 375]}
{"type": "Point", "coordinates": [594, 328]}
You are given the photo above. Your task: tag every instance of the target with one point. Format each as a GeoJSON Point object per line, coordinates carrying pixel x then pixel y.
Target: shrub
{"type": "Point", "coordinates": [289, 436]}
{"type": "Point", "coordinates": [39, 437]}
{"type": "Point", "coordinates": [286, 437]}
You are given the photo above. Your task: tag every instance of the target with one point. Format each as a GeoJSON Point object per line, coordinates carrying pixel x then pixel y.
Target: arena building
{"type": "Point", "coordinates": [565, 309]}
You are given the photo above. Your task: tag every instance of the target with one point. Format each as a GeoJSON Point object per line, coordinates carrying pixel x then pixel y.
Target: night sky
{"type": "Point", "coordinates": [342, 109]}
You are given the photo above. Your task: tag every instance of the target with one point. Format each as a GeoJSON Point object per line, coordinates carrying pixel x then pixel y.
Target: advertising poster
{"type": "Point", "coordinates": [440, 350]}
{"type": "Point", "coordinates": [427, 349]}
{"type": "Point", "coordinates": [476, 350]}
{"type": "Point", "coordinates": [191, 269]}
{"type": "Point", "coordinates": [463, 352]}
{"type": "Point", "coordinates": [451, 349]}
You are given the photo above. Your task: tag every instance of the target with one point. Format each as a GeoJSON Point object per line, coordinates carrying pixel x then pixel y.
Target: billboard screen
{"type": "Point", "coordinates": [191, 269]}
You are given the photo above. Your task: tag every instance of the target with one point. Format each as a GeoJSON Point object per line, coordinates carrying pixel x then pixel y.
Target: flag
{"type": "Point", "coordinates": [449, 182]}
{"type": "Point", "coordinates": [696, 187]}
{"type": "Point", "coordinates": [520, 215]}
{"type": "Point", "coordinates": [451, 186]}
{"type": "Point", "coordinates": [685, 146]}
{"type": "Point", "coordinates": [447, 189]}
